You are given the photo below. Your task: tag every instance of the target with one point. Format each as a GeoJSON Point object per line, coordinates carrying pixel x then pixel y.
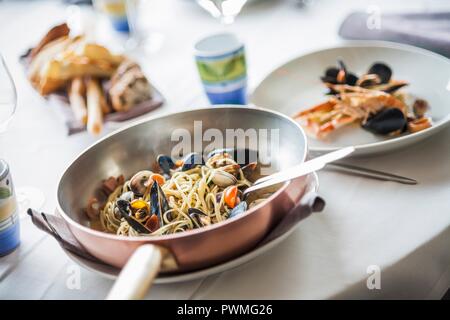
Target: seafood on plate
{"type": "Point", "coordinates": [181, 195]}
{"type": "Point", "coordinates": [373, 100]}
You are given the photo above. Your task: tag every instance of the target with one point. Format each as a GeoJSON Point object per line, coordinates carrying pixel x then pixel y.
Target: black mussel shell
{"type": "Point", "coordinates": [394, 87]}
{"type": "Point", "coordinates": [158, 202]}
{"type": "Point", "coordinates": [386, 121]}
{"type": "Point", "coordinates": [350, 79]}
{"type": "Point", "coordinates": [198, 217]}
{"type": "Point", "coordinates": [240, 208]}
{"type": "Point", "coordinates": [165, 163]}
{"type": "Point", "coordinates": [382, 70]}
{"type": "Point", "coordinates": [331, 75]}
{"type": "Point", "coordinates": [192, 160]}
{"type": "Point", "coordinates": [125, 212]}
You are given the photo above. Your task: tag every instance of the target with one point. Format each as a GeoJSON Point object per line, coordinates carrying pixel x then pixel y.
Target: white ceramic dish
{"type": "Point", "coordinates": [296, 85]}
{"type": "Point", "coordinates": [112, 273]}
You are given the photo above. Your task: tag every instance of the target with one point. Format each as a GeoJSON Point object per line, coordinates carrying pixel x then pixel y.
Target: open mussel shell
{"type": "Point", "coordinates": [140, 182]}
{"type": "Point", "coordinates": [165, 163]}
{"type": "Point", "coordinates": [223, 179]}
{"type": "Point", "coordinates": [386, 121]}
{"type": "Point", "coordinates": [339, 75]}
{"type": "Point", "coordinates": [383, 71]}
{"type": "Point", "coordinates": [192, 160]}
{"type": "Point", "coordinates": [199, 218]}
{"type": "Point", "coordinates": [240, 208]}
{"type": "Point", "coordinates": [158, 202]}
{"type": "Point", "coordinates": [125, 212]}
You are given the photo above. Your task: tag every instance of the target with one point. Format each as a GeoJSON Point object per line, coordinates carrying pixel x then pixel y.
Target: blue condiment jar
{"type": "Point", "coordinates": [9, 217]}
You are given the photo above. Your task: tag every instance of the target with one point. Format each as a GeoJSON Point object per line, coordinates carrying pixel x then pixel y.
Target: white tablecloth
{"type": "Point", "coordinates": [405, 230]}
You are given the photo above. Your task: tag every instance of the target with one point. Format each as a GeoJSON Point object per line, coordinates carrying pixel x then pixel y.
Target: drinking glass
{"type": "Point", "coordinates": [27, 196]}
{"type": "Point", "coordinates": [225, 10]}
{"type": "Point", "coordinates": [143, 19]}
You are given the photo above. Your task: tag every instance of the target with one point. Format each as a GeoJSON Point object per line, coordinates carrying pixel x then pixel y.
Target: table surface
{"type": "Point", "coordinates": [405, 230]}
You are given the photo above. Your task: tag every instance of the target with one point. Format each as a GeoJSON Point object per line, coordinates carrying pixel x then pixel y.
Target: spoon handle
{"type": "Point", "coordinates": [299, 170]}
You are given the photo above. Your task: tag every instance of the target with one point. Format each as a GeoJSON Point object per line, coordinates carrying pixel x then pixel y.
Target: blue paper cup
{"type": "Point", "coordinates": [221, 64]}
{"type": "Point", "coordinates": [9, 235]}
{"type": "Point", "coordinates": [9, 218]}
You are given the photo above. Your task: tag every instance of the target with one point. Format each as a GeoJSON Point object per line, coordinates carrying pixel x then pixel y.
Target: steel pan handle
{"type": "Point", "coordinates": [137, 276]}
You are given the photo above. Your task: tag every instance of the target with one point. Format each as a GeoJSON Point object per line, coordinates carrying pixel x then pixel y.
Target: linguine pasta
{"type": "Point", "coordinates": [183, 190]}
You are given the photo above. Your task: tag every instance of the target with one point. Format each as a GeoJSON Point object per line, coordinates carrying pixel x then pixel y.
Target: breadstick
{"type": "Point", "coordinates": [103, 104]}
{"type": "Point", "coordinates": [77, 91]}
{"type": "Point", "coordinates": [95, 116]}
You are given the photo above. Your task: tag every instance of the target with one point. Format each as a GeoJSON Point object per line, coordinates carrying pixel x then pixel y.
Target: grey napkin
{"type": "Point", "coordinates": [57, 228]}
{"type": "Point", "coordinates": [427, 30]}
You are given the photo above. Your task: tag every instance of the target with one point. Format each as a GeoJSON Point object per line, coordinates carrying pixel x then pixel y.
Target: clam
{"type": "Point", "coordinates": [165, 163]}
{"type": "Point", "coordinates": [140, 182]}
{"type": "Point", "coordinates": [420, 107]}
{"type": "Point", "coordinates": [387, 121]}
{"type": "Point", "coordinates": [249, 170]}
{"type": "Point", "coordinates": [128, 196]}
{"type": "Point", "coordinates": [240, 208]}
{"type": "Point", "coordinates": [223, 179]}
{"type": "Point", "coordinates": [192, 160]}
{"type": "Point", "coordinates": [220, 151]}
{"type": "Point", "coordinates": [159, 203]}
{"type": "Point", "coordinates": [241, 156]}
{"type": "Point", "coordinates": [199, 218]}
{"type": "Point", "coordinates": [126, 213]}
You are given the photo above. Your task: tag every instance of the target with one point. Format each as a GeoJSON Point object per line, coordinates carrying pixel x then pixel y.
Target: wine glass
{"type": "Point", "coordinates": [8, 96]}
{"type": "Point", "coordinates": [27, 196]}
{"type": "Point", "coordinates": [225, 10]}
{"type": "Point", "coordinates": [143, 17]}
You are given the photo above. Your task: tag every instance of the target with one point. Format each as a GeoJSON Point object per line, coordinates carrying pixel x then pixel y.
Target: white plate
{"type": "Point", "coordinates": [112, 273]}
{"type": "Point", "coordinates": [296, 85]}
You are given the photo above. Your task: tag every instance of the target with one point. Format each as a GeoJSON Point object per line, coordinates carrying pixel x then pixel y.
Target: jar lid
{"type": "Point", "coordinates": [4, 169]}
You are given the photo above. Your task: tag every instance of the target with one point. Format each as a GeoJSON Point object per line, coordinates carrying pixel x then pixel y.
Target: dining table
{"type": "Point", "coordinates": [395, 232]}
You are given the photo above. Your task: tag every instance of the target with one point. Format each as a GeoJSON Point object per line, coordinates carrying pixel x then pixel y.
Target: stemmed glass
{"type": "Point", "coordinates": [8, 96]}
{"type": "Point", "coordinates": [225, 10]}
{"type": "Point", "coordinates": [142, 20]}
{"type": "Point", "coordinates": [26, 196]}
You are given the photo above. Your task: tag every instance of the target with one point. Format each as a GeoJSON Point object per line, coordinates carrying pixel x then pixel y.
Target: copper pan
{"type": "Point", "coordinates": [135, 148]}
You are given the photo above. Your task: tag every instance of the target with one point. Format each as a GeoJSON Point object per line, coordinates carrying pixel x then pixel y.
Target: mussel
{"type": "Point", "coordinates": [387, 121]}
{"type": "Point", "coordinates": [240, 208]}
{"type": "Point", "coordinates": [382, 71]}
{"type": "Point", "coordinates": [192, 160]}
{"type": "Point", "coordinates": [158, 202]}
{"type": "Point", "coordinates": [126, 213]}
{"type": "Point", "coordinates": [140, 182]}
{"type": "Point", "coordinates": [339, 75]}
{"type": "Point", "coordinates": [165, 163]}
{"type": "Point", "coordinates": [199, 218]}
